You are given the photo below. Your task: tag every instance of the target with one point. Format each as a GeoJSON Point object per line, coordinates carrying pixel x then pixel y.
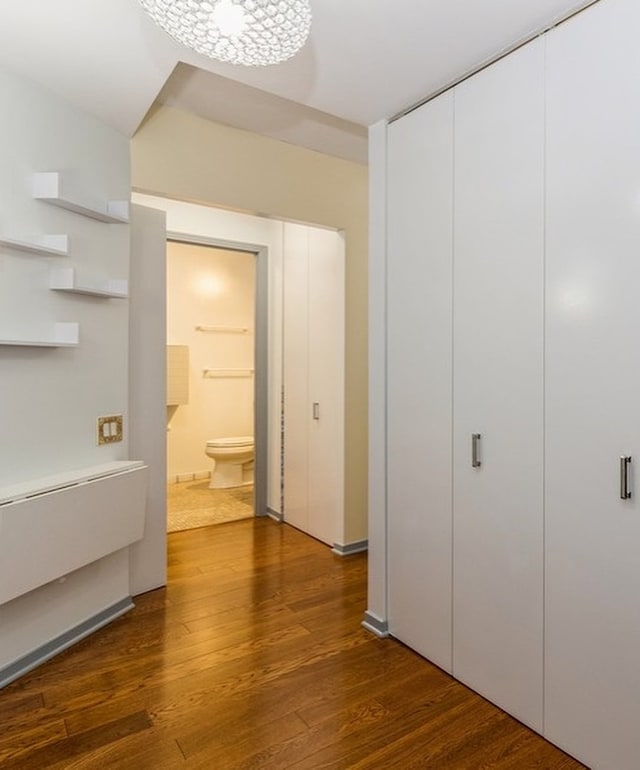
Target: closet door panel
{"type": "Point", "coordinates": [326, 385]}
{"type": "Point", "coordinates": [498, 383]}
{"type": "Point", "coordinates": [296, 375]}
{"type": "Point", "coordinates": [420, 192]}
{"type": "Point", "coordinates": [593, 386]}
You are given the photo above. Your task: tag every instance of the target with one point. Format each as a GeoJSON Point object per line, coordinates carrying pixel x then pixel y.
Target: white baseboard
{"type": "Point", "coordinates": [38, 656]}
{"type": "Point", "coordinates": [346, 549]}
{"type": "Point", "coordinates": [376, 625]}
{"type": "Point", "coordinates": [275, 515]}
{"type": "Point", "coordinates": [193, 476]}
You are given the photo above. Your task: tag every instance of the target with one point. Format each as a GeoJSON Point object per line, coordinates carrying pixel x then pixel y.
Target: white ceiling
{"type": "Point", "coordinates": [365, 60]}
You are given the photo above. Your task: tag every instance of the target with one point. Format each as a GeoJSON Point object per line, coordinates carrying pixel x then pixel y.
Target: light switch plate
{"type": "Point", "coordinates": [109, 429]}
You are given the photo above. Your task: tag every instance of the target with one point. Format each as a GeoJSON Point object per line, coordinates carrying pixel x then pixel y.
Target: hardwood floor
{"type": "Point", "coordinates": [254, 657]}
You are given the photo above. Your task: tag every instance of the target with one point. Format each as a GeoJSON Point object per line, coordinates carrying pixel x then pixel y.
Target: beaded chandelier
{"type": "Point", "coordinates": [249, 32]}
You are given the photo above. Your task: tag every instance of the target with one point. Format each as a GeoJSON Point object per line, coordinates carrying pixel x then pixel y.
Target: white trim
{"type": "Point", "coordinates": [347, 549]}
{"type": "Point", "coordinates": [52, 648]}
{"type": "Point", "coordinates": [376, 625]}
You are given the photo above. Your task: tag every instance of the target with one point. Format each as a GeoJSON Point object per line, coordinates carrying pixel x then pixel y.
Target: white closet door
{"type": "Point", "coordinates": [593, 386]}
{"type": "Point", "coordinates": [325, 408]}
{"type": "Point", "coordinates": [314, 381]}
{"type": "Point", "coordinates": [296, 375]}
{"type": "Point", "coordinates": [498, 385]}
{"type": "Point", "coordinates": [420, 190]}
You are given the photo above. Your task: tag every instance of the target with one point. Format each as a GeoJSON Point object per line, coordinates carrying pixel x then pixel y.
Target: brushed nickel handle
{"type": "Point", "coordinates": [316, 410]}
{"type": "Point", "coordinates": [625, 492]}
{"type": "Point", "coordinates": [475, 450]}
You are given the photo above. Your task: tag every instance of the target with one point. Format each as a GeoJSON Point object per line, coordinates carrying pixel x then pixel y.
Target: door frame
{"type": "Point", "coordinates": [261, 353]}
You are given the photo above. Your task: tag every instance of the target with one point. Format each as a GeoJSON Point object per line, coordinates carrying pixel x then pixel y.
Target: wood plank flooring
{"type": "Point", "coordinates": [254, 657]}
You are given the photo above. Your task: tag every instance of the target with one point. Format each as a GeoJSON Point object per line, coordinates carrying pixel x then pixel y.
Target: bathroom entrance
{"type": "Point", "coordinates": [211, 368]}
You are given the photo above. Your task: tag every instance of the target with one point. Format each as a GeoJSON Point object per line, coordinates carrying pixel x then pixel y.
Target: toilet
{"type": "Point", "coordinates": [232, 461]}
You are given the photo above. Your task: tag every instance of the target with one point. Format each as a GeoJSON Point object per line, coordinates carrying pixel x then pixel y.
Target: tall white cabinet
{"type": "Point", "coordinates": [513, 296]}
{"type": "Point", "coordinates": [464, 365]}
{"type": "Point", "coordinates": [497, 383]}
{"type": "Point", "coordinates": [314, 381]}
{"type": "Point", "coordinates": [419, 297]}
{"type": "Point", "coordinates": [593, 386]}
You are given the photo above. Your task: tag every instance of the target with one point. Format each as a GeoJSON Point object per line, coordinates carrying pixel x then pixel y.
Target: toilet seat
{"type": "Point", "coordinates": [228, 443]}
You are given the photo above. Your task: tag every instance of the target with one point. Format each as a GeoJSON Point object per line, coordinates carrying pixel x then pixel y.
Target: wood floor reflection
{"type": "Point", "coordinates": [254, 657]}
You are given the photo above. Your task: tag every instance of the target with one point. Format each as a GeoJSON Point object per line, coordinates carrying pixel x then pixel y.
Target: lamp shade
{"type": "Point", "coordinates": [248, 32]}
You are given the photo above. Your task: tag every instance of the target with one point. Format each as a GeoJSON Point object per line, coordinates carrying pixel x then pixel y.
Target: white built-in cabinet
{"type": "Point", "coordinates": [513, 286]}
{"type": "Point", "coordinates": [313, 377]}
{"type": "Point", "coordinates": [592, 660]}
{"type": "Point", "coordinates": [497, 382]}
{"type": "Point", "coordinates": [419, 302]}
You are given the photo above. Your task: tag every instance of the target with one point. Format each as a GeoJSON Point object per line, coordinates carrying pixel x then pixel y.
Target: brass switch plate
{"type": "Point", "coordinates": [110, 429]}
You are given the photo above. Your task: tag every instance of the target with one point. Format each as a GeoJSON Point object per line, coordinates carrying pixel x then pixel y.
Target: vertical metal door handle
{"type": "Point", "coordinates": [316, 410]}
{"type": "Point", "coordinates": [475, 450]}
{"type": "Point", "coordinates": [625, 492]}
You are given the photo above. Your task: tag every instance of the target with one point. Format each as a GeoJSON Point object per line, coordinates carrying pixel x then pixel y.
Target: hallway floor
{"type": "Point", "coordinates": [254, 657]}
{"type": "Point", "coordinates": [191, 504]}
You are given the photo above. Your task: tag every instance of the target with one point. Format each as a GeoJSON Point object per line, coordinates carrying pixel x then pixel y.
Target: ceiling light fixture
{"type": "Point", "coordinates": [249, 32]}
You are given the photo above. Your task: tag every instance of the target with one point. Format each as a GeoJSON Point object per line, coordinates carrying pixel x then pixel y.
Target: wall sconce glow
{"type": "Point", "coordinates": [248, 32]}
{"type": "Point", "coordinates": [209, 285]}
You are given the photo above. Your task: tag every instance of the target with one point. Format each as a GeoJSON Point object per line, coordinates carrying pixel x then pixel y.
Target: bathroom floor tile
{"type": "Point", "coordinates": [192, 504]}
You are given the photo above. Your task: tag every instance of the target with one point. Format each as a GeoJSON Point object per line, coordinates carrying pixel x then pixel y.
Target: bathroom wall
{"type": "Point", "coordinates": [187, 158]}
{"type": "Point", "coordinates": [209, 287]}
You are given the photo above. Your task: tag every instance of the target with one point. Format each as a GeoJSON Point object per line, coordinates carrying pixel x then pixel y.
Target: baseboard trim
{"type": "Point", "coordinates": [275, 515]}
{"type": "Point", "coordinates": [376, 625]}
{"type": "Point", "coordinates": [49, 650]}
{"type": "Point", "coordinates": [183, 478]}
{"type": "Point", "coordinates": [349, 548]}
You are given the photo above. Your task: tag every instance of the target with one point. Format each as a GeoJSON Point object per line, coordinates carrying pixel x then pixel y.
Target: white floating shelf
{"type": "Point", "coordinates": [47, 245]}
{"type": "Point", "coordinates": [66, 279]}
{"type": "Point", "coordinates": [223, 329]}
{"type": "Point", "coordinates": [227, 373]}
{"type": "Point", "coordinates": [59, 335]}
{"type": "Point", "coordinates": [47, 187]}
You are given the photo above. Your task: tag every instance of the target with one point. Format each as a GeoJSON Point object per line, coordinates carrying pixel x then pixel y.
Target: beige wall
{"type": "Point", "coordinates": [185, 157]}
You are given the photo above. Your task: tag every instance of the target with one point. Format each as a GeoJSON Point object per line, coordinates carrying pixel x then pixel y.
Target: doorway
{"type": "Point", "coordinates": [216, 375]}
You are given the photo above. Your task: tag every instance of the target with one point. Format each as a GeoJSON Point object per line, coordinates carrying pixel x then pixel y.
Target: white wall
{"type": "Point", "coordinates": [147, 390]}
{"type": "Point", "coordinates": [209, 287]}
{"type": "Point", "coordinates": [376, 618]}
{"type": "Point", "coordinates": [50, 398]}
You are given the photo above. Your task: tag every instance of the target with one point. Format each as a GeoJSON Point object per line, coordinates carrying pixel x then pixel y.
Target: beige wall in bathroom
{"type": "Point", "coordinates": [181, 156]}
{"type": "Point", "coordinates": [215, 288]}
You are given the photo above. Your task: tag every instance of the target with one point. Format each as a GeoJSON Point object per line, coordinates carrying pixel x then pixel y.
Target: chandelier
{"type": "Point", "coordinates": [249, 32]}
